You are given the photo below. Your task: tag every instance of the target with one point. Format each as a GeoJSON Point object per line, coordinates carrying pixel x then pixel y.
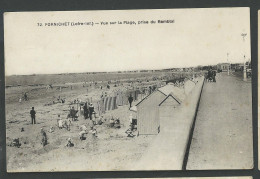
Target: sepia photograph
{"type": "Point", "coordinates": [128, 90]}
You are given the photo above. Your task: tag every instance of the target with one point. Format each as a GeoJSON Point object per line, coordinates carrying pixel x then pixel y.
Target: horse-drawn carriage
{"type": "Point", "coordinates": [210, 76]}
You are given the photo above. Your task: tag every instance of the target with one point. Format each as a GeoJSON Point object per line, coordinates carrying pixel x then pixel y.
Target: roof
{"type": "Point", "coordinates": [176, 92]}
{"type": "Point", "coordinates": [148, 96]}
{"type": "Point", "coordinates": [171, 95]}
{"type": "Point", "coordinates": [167, 89]}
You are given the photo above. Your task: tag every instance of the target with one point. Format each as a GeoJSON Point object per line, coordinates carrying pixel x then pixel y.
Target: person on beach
{"type": "Point", "coordinates": [73, 113]}
{"type": "Point", "coordinates": [33, 113]}
{"type": "Point", "coordinates": [86, 111]}
{"type": "Point", "coordinates": [111, 122]}
{"type": "Point", "coordinates": [82, 135]}
{"type": "Point", "coordinates": [214, 75]}
{"type": "Point", "coordinates": [93, 132]}
{"type": "Point", "coordinates": [100, 120]}
{"type": "Point", "coordinates": [130, 100]}
{"type": "Point", "coordinates": [131, 121]}
{"type": "Point", "coordinates": [60, 122]}
{"type": "Point", "coordinates": [44, 138]}
{"type": "Point", "coordinates": [91, 110]}
{"type": "Point", "coordinates": [25, 97]}
{"type": "Point", "coordinates": [70, 143]}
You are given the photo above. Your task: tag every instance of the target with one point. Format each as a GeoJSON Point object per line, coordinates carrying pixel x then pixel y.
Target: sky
{"type": "Point", "coordinates": [197, 37]}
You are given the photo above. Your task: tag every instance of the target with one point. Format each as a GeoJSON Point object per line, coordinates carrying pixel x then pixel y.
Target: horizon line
{"type": "Point", "coordinates": [64, 73]}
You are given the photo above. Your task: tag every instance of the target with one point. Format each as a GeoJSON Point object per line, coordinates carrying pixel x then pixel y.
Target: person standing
{"type": "Point", "coordinates": [25, 97]}
{"type": "Point", "coordinates": [214, 75]}
{"type": "Point", "coordinates": [130, 100]}
{"type": "Point", "coordinates": [150, 90]}
{"type": "Point", "coordinates": [33, 113]}
{"type": "Point", "coordinates": [73, 113]}
{"type": "Point", "coordinates": [131, 122]}
{"type": "Point", "coordinates": [91, 110]}
{"type": "Point", "coordinates": [86, 111]}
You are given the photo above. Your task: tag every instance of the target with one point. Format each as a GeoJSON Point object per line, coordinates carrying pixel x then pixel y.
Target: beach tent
{"type": "Point", "coordinates": [148, 119]}
{"type": "Point", "coordinates": [176, 91]}
{"type": "Point", "coordinates": [148, 113]}
{"type": "Point", "coordinates": [167, 107]}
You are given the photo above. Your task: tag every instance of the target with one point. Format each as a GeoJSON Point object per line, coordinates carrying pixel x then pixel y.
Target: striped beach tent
{"type": "Point", "coordinates": [110, 103]}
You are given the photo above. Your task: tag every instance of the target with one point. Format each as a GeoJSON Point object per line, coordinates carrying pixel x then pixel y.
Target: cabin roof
{"type": "Point", "coordinates": [149, 96]}
{"type": "Point", "coordinates": [171, 95]}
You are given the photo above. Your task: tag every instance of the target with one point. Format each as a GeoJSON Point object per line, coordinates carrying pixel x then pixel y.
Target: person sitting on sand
{"type": "Point", "coordinates": [15, 143]}
{"type": "Point", "coordinates": [129, 133]}
{"type": "Point", "coordinates": [82, 135]}
{"type": "Point", "coordinates": [83, 128]}
{"type": "Point", "coordinates": [69, 144]}
{"type": "Point", "coordinates": [117, 123]}
{"type": "Point", "coordinates": [64, 123]}
{"type": "Point", "coordinates": [51, 129]}
{"type": "Point", "coordinates": [112, 122]}
{"type": "Point", "coordinates": [44, 138]}
{"type": "Point", "coordinates": [100, 120]}
{"type": "Point", "coordinates": [93, 132]}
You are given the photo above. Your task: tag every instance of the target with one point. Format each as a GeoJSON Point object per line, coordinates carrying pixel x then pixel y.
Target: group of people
{"type": "Point", "coordinates": [115, 123]}
{"type": "Point", "coordinates": [83, 132]}
{"type": "Point", "coordinates": [59, 100]}
{"type": "Point", "coordinates": [88, 111]}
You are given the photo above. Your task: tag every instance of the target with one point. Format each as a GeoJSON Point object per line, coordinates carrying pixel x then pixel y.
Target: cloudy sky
{"type": "Point", "coordinates": [198, 37]}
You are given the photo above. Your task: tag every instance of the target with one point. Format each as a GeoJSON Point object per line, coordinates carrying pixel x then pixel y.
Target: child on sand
{"type": "Point", "coordinates": [69, 144]}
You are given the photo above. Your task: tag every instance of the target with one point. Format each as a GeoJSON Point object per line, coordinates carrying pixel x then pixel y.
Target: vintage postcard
{"type": "Point", "coordinates": [162, 89]}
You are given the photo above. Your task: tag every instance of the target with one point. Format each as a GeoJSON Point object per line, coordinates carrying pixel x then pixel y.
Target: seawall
{"type": "Point", "coordinates": [168, 150]}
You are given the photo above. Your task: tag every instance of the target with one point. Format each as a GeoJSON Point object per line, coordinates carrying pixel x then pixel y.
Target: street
{"type": "Point", "coordinates": [223, 137]}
